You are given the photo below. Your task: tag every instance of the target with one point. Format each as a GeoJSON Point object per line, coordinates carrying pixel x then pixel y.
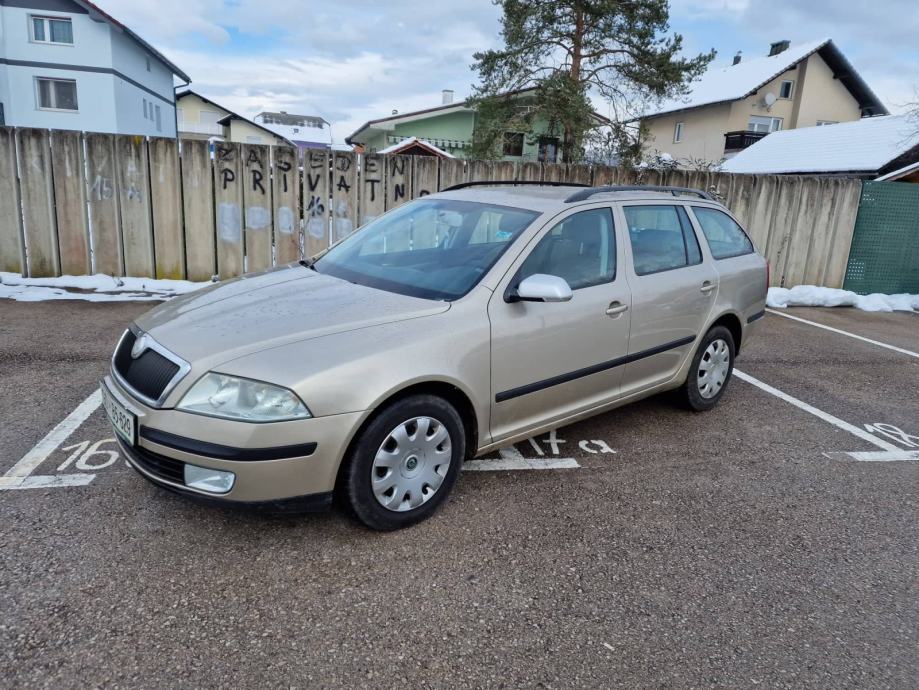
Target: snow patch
{"type": "Point", "coordinates": [813, 296]}
{"type": "Point", "coordinates": [95, 288]}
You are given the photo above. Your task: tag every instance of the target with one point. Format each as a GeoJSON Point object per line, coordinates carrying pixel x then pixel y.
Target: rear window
{"type": "Point", "coordinates": [725, 237]}
{"type": "Point", "coordinates": [662, 238]}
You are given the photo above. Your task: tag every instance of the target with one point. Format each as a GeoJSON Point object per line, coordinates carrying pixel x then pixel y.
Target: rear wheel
{"type": "Point", "coordinates": [405, 462]}
{"type": "Point", "coordinates": [710, 370]}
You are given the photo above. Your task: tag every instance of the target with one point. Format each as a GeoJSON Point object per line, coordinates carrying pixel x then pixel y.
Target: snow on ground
{"type": "Point", "coordinates": [94, 288]}
{"type": "Point", "coordinates": [813, 296]}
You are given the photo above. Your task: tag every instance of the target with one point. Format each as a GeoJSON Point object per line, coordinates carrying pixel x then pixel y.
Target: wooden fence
{"type": "Point", "coordinates": [77, 203]}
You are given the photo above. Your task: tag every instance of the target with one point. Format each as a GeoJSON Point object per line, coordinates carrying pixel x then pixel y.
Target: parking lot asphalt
{"type": "Point", "coordinates": [736, 547]}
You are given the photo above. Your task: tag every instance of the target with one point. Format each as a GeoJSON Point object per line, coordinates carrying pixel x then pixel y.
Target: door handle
{"type": "Point", "coordinates": [707, 287]}
{"type": "Point", "coordinates": [616, 308]}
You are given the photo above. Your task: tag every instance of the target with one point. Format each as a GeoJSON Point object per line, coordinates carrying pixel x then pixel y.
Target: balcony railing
{"type": "Point", "coordinates": [735, 141]}
{"type": "Point", "coordinates": [199, 128]}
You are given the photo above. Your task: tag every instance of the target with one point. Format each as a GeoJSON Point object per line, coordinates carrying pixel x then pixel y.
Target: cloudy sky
{"type": "Point", "coordinates": [354, 60]}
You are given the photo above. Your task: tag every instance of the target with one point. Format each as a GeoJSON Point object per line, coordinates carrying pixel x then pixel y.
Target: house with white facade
{"type": "Point", "coordinates": [305, 131]}
{"type": "Point", "coordinates": [66, 64]}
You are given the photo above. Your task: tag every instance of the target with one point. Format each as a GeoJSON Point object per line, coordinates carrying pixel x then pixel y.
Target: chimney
{"type": "Point", "coordinates": [737, 58]}
{"type": "Point", "coordinates": [778, 47]}
{"type": "Point", "coordinates": [446, 96]}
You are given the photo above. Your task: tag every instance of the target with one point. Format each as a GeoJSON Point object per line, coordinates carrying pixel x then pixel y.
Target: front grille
{"type": "Point", "coordinates": [149, 374]}
{"type": "Point", "coordinates": [159, 465]}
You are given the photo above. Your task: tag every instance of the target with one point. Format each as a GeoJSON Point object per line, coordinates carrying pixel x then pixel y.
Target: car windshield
{"type": "Point", "coordinates": [429, 248]}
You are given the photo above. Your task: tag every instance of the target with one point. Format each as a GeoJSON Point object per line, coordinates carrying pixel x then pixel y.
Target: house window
{"type": "Point", "coordinates": [548, 149]}
{"type": "Point", "coordinates": [787, 89]}
{"type": "Point", "coordinates": [513, 143]}
{"type": "Point", "coordinates": [764, 125]}
{"type": "Point", "coordinates": [56, 94]}
{"type": "Point", "coordinates": [145, 109]}
{"type": "Point", "coordinates": [678, 133]}
{"type": "Point", "coordinates": [52, 30]}
{"type": "Point", "coordinates": [159, 120]}
{"type": "Point", "coordinates": [148, 64]}
{"type": "Point", "coordinates": [822, 123]}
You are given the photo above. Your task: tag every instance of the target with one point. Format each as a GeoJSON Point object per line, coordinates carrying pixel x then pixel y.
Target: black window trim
{"type": "Point", "coordinates": [682, 232]}
{"type": "Point", "coordinates": [549, 227]}
{"type": "Point", "coordinates": [698, 222]}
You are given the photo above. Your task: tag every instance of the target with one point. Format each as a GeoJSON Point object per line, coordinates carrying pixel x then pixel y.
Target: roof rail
{"type": "Point", "coordinates": [531, 183]}
{"type": "Point", "coordinates": [585, 194]}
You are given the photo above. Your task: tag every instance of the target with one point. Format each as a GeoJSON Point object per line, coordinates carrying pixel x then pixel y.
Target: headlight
{"type": "Point", "coordinates": [231, 397]}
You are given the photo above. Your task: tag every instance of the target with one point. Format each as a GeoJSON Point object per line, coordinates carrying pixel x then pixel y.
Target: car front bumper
{"type": "Point", "coordinates": [294, 461]}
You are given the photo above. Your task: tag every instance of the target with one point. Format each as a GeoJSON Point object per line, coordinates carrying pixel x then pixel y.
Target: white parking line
{"type": "Point", "coordinates": [877, 456]}
{"type": "Point", "coordinates": [512, 459]}
{"type": "Point", "coordinates": [55, 437]}
{"type": "Point", "coordinates": [825, 416]}
{"type": "Point", "coordinates": [846, 333]}
{"type": "Point", "coordinates": [49, 481]}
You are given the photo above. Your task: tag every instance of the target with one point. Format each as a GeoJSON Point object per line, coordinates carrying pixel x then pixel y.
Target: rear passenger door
{"type": "Point", "coordinates": [673, 290]}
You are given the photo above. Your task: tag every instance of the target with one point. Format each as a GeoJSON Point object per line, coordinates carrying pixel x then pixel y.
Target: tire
{"type": "Point", "coordinates": [411, 445]}
{"type": "Point", "coordinates": [700, 396]}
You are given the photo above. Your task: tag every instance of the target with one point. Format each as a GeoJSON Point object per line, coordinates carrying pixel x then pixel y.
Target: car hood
{"type": "Point", "coordinates": [265, 310]}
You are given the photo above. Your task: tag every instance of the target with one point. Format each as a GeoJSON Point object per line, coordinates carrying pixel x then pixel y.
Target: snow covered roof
{"type": "Point", "coordinates": [733, 82]}
{"type": "Point", "coordinates": [415, 141]}
{"type": "Point", "coordinates": [865, 145]}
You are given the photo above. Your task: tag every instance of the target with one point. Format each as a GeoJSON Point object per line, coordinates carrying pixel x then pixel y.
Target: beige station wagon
{"type": "Point", "coordinates": [445, 328]}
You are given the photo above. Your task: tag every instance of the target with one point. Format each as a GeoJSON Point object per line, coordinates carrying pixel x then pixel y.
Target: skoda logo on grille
{"type": "Point", "coordinates": [139, 346]}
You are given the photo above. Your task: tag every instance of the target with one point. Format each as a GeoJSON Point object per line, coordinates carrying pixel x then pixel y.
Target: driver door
{"type": "Point", "coordinates": [550, 360]}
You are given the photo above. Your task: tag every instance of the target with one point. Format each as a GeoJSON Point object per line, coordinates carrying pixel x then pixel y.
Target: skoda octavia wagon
{"type": "Point", "coordinates": [447, 327]}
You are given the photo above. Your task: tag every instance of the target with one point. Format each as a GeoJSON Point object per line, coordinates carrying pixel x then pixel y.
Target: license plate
{"type": "Point", "coordinates": [123, 421]}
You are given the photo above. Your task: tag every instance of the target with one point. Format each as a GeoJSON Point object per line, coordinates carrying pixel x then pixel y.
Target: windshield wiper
{"type": "Point", "coordinates": [308, 263]}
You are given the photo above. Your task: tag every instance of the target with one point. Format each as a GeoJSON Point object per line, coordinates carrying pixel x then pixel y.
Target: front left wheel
{"type": "Point", "coordinates": [405, 462]}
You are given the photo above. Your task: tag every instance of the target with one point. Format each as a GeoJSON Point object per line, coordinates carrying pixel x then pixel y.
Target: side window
{"type": "Point", "coordinates": [581, 249]}
{"type": "Point", "coordinates": [725, 237]}
{"type": "Point", "coordinates": [662, 238]}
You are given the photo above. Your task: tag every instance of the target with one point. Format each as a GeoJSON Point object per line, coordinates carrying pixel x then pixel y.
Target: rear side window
{"type": "Point", "coordinates": [725, 237]}
{"type": "Point", "coordinates": [581, 249]}
{"type": "Point", "coordinates": [662, 238]}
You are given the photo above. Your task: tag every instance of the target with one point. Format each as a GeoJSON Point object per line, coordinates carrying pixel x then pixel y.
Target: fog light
{"type": "Point", "coordinates": [206, 479]}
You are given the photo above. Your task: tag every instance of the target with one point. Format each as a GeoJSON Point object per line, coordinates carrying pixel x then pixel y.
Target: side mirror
{"type": "Point", "coordinates": [541, 287]}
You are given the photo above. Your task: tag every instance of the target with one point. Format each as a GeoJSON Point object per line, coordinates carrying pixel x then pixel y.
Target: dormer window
{"type": "Point", "coordinates": [52, 30]}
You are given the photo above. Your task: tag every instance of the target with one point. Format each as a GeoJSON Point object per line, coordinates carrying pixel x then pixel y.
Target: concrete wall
{"type": "Point", "coordinates": [824, 98]}
{"type": "Point", "coordinates": [106, 101]}
{"type": "Point", "coordinates": [703, 133]}
{"type": "Point", "coordinates": [816, 96]}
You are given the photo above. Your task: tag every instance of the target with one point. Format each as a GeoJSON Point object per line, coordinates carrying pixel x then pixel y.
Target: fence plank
{"type": "Point", "coordinates": [133, 189]}
{"type": "Point", "coordinates": [70, 201]}
{"type": "Point", "coordinates": [344, 195]}
{"type": "Point", "coordinates": [554, 172]}
{"type": "Point", "coordinates": [480, 171]}
{"type": "Point", "coordinates": [804, 227]}
{"type": "Point", "coordinates": [285, 191]}
{"type": "Point", "coordinates": [12, 251]}
{"type": "Point", "coordinates": [166, 200]}
{"type": "Point", "coordinates": [762, 206]}
{"type": "Point", "coordinates": [316, 193]}
{"type": "Point", "coordinates": [198, 207]}
{"type": "Point", "coordinates": [257, 203]}
{"type": "Point", "coordinates": [39, 229]}
{"type": "Point", "coordinates": [398, 180]}
{"type": "Point", "coordinates": [785, 208]}
{"type": "Point", "coordinates": [105, 224]}
{"type": "Point", "coordinates": [425, 176]}
{"type": "Point", "coordinates": [529, 171]}
{"type": "Point", "coordinates": [228, 203]}
{"type": "Point", "coordinates": [373, 194]}
{"type": "Point", "coordinates": [452, 172]}
{"type": "Point", "coordinates": [604, 175]}
{"type": "Point", "coordinates": [839, 243]}
{"type": "Point", "coordinates": [582, 174]}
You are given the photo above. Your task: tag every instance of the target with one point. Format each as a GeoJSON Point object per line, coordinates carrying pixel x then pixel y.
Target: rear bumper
{"type": "Point", "coordinates": [288, 461]}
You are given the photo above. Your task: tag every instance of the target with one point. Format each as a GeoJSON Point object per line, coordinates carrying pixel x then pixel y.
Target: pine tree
{"type": "Point", "coordinates": [566, 49]}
